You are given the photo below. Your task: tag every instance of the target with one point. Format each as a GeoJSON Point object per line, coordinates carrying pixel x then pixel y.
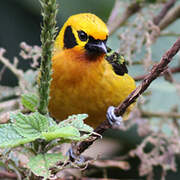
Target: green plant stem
{"type": "Point", "coordinates": [49, 11]}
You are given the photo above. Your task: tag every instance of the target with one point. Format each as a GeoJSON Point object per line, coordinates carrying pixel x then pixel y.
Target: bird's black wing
{"type": "Point", "coordinates": [117, 61]}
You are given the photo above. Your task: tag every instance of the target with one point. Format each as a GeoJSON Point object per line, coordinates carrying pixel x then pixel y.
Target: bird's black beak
{"type": "Point", "coordinates": [96, 47]}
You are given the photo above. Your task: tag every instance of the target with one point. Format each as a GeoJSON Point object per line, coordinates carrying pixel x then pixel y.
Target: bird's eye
{"type": "Point", "coordinates": [82, 35]}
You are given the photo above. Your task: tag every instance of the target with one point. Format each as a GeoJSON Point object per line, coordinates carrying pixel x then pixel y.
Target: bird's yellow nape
{"type": "Point", "coordinates": [89, 23]}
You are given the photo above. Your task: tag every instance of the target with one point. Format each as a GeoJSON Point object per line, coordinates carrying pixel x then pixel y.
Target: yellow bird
{"type": "Point", "coordinates": [83, 81]}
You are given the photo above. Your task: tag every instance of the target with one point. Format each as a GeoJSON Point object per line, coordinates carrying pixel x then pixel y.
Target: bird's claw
{"type": "Point", "coordinates": [75, 158]}
{"type": "Point", "coordinates": [112, 118]}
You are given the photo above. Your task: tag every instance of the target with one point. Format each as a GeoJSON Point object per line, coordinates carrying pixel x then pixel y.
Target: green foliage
{"type": "Point", "coordinates": [30, 125]}
{"type": "Point", "coordinates": [77, 122]}
{"type": "Point", "coordinates": [9, 137]}
{"type": "Point", "coordinates": [28, 128]}
{"type": "Point", "coordinates": [30, 101]}
{"type": "Point", "coordinates": [67, 132]}
{"type": "Point", "coordinates": [41, 163]}
{"type": "Point", "coordinates": [37, 128]}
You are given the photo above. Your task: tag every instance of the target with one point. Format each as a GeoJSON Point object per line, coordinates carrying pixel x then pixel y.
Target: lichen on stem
{"type": "Point", "coordinates": [49, 11]}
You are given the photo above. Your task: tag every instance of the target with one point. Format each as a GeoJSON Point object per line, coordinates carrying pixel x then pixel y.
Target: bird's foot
{"type": "Point", "coordinates": [77, 159]}
{"type": "Point", "coordinates": [112, 118]}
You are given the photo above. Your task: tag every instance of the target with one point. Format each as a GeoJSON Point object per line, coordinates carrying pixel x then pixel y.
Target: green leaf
{"type": "Point", "coordinates": [9, 137]}
{"type": "Point", "coordinates": [30, 125]}
{"type": "Point", "coordinates": [51, 121]}
{"type": "Point", "coordinates": [27, 128]}
{"type": "Point", "coordinates": [77, 121]}
{"type": "Point", "coordinates": [55, 132]}
{"type": "Point", "coordinates": [30, 101]}
{"type": "Point", "coordinates": [41, 163]}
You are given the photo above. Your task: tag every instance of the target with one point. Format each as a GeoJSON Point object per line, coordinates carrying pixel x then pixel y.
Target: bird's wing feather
{"type": "Point", "coordinates": [117, 61]}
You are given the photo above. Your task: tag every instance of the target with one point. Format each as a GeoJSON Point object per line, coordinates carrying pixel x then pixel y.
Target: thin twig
{"type": "Point", "coordinates": [170, 34]}
{"type": "Point", "coordinates": [17, 72]}
{"type": "Point", "coordinates": [130, 10]}
{"type": "Point", "coordinates": [166, 17]}
{"type": "Point", "coordinates": [175, 120]}
{"type": "Point", "coordinates": [114, 12]}
{"type": "Point", "coordinates": [160, 114]}
{"type": "Point", "coordinates": [6, 62]}
{"type": "Point", "coordinates": [168, 5]}
{"type": "Point", "coordinates": [110, 163]}
{"type": "Point", "coordinates": [156, 70]}
{"type": "Point", "coordinates": [170, 17]}
{"type": "Point", "coordinates": [171, 70]}
{"type": "Point", "coordinates": [2, 72]}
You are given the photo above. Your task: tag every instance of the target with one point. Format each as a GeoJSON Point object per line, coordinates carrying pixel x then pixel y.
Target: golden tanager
{"type": "Point", "coordinates": [84, 80]}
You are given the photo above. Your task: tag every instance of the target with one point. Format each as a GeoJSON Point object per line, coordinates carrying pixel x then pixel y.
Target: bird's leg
{"type": "Point", "coordinates": [112, 118]}
{"type": "Point", "coordinates": [74, 157]}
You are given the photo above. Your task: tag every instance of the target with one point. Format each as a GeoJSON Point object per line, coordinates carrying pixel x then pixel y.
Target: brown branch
{"type": "Point", "coordinates": [170, 17]}
{"type": "Point", "coordinates": [168, 5]}
{"type": "Point", "coordinates": [170, 34]}
{"type": "Point", "coordinates": [110, 163]}
{"type": "Point", "coordinates": [114, 12]}
{"type": "Point", "coordinates": [5, 174]}
{"type": "Point", "coordinates": [130, 10]}
{"type": "Point", "coordinates": [166, 17]}
{"type": "Point", "coordinates": [172, 70]}
{"type": "Point", "coordinates": [119, 111]}
{"type": "Point", "coordinates": [156, 70]}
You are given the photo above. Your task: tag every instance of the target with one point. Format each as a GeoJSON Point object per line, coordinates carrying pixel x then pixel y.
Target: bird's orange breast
{"type": "Point", "coordinates": [82, 86]}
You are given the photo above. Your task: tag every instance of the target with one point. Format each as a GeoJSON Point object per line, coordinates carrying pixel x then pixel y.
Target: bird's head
{"type": "Point", "coordinates": [85, 33]}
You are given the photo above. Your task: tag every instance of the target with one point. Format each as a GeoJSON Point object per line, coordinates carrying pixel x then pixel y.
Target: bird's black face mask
{"type": "Point", "coordinates": [95, 47]}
